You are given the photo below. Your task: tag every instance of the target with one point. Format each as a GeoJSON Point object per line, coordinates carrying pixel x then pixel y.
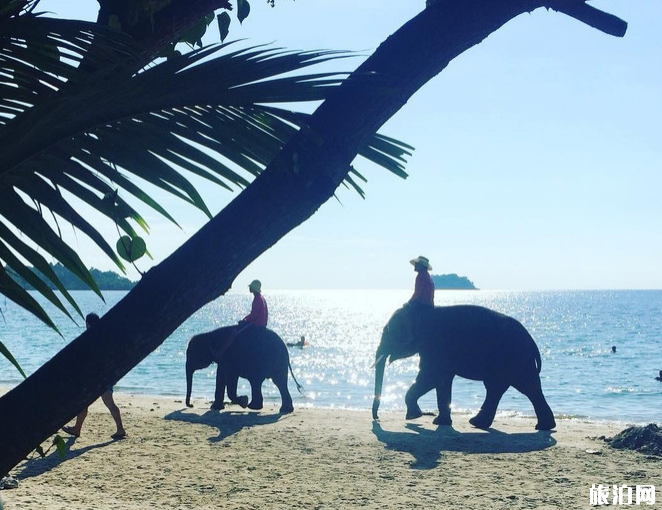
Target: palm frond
{"type": "Point", "coordinates": [77, 124]}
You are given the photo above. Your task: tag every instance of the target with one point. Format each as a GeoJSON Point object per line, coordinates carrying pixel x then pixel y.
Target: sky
{"type": "Point", "coordinates": [536, 165]}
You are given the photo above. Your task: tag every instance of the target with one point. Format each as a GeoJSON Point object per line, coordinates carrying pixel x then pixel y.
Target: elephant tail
{"type": "Point", "coordinates": [299, 387]}
{"type": "Point", "coordinates": [526, 338]}
{"type": "Point", "coordinates": [538, 358]}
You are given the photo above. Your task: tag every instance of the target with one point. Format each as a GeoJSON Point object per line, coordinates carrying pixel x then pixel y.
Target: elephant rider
{"type": "Point", "coordinates": [424, 286]}
{"type": "Point", "coordinates": [254, 322]}
{"type": "Point", "coordinates": [259, 315]}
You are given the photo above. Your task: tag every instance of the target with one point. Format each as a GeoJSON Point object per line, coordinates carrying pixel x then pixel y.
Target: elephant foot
{"type": "Point", "coordinates": [254, 406]}
{"type": "Point", "coordinates": [241, 401]}
{"type": "Point", "coordinates": [286, 409]}
{"type": "Point", "coordinates": [442, 420]}
{"type": "Point", "coordinates": [413, 413]}
{"type": "Point", "coordinates": [546, 424]}
{"type": "Point", "coordinates": [216, 406]}
{"type": "Point", "coordinates": [481, 422]}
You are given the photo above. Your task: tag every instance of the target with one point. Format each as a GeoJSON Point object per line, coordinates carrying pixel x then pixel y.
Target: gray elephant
{"type": "Point", "coordinates": [250, 352]}
{"type": "Point", "coordinates": [469, 341]}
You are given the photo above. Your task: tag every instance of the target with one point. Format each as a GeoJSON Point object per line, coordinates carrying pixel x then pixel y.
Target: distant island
{"type": "Point", "coordinates": [452, 282]}
{"type": "Point", "coordinates": [106, 280]}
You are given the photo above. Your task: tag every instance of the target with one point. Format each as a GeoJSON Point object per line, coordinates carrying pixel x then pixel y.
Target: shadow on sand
{"type": "Point", "coordinates": [36, 465]}
{"type": "Point", "coordinates": [427, 446]}
{"type": "Point", "coordinates": [227, 422]}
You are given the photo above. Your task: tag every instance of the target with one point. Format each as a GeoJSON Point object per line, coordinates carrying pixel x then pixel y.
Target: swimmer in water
{"type": "Point", "coordinates": [301, 343]}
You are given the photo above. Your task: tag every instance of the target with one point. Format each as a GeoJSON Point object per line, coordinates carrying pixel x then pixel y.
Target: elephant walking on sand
{"type": "Point", "coordinates": [250, 352]}
{"type": "Point", "coordinates": [469, 341]}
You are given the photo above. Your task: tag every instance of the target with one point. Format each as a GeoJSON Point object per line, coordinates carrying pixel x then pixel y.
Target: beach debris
{"type": "Point", "coordinates": [8, 482]}
{"type": "Point", "coordinates": [646, 439]}
{"type": "Point", "coordinates": [591, 451]}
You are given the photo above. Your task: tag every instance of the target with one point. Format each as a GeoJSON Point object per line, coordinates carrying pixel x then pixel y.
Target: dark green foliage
{"type": "Point", "coordinates": [60, 448]}
{"type": "Point", "coordinates": [223, 25]}
{"type": "Point", "coordinates": [452, 282]}
{"type": "Point", "coordinates": [5, 352]}
{"type": "Point", "coordinates": [243, 10]}
{"type": "Point", "coordinates": [107, 280]}
{"type": "Point", "coordinates": [218, 118]}
{"type": "Point", "coordinates": [131, 249]}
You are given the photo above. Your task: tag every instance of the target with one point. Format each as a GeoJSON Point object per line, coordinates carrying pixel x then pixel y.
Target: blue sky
{"type": "Point", "coordinates": [537, 161]}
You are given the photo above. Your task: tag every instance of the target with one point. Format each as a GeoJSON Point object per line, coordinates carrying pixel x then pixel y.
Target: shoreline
{"type": "Point", "coordinates": [204, 401]}
{"type": "Point", "coordinates": [175, 457]}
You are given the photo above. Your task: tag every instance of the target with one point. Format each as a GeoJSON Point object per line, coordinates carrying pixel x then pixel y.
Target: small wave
{"type": "Point", "coordinates": [620, 389]}
{"type": "Point", "coordinates": [563, 416]}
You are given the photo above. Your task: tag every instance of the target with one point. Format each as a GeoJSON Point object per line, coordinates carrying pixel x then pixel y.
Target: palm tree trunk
{"type": "Point", "coordinates": [289, 191]}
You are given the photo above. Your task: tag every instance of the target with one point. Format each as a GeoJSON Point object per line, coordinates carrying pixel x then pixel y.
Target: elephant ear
{"type": "Point", "coordinates": [415, 324]}
{"type": "Point", "coordinates": [401, 332]}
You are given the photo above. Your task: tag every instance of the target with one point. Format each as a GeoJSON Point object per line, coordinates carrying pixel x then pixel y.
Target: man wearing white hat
{"type": "Point", "coordinates": [259, 313]}
{"type": "Point", "coordinates": [424, 286]}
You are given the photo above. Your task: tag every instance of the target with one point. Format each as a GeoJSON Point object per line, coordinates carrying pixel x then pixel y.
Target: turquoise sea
{"type": "Point", "coordinates": [574, 330]}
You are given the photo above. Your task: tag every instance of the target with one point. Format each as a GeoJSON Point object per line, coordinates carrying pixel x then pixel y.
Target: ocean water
{"type": "Point", "coordinates": [574, 330]}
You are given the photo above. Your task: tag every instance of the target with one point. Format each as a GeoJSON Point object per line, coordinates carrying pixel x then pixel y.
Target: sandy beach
{"type": "Point", "coordinates": [179, 458]}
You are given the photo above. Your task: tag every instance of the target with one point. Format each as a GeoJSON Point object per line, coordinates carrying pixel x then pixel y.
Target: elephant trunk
{"type": "Point", "coordinates": [189, 384]}
{"type": "Point", "coordinates": [380, 364]}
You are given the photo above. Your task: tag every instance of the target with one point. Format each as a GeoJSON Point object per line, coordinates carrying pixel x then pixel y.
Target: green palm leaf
{"type": "Point", "coordinates": [79, 125]}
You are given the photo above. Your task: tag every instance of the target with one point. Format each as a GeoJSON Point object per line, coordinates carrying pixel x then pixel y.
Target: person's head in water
{"type": "Point", "coordinates": [91, 319]}
{"type": "Point", "coordinates": [613, 348]}
{"type": "Point", "coordinates": [255, 287]}
{"type": "Point", "coordinates": [421, 263]}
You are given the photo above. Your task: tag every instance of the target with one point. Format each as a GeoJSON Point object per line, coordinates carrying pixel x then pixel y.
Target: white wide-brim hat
{"type": "Point", "coordinates": [422, 261]}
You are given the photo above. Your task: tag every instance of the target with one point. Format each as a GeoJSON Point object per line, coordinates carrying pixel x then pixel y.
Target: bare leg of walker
{"type": "Point", "coordinates": [107, 398]}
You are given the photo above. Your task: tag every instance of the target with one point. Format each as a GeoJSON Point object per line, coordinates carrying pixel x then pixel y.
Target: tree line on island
{"type": "Point", "coordinates": [452, 282]}
{"type": "Point", "coordinates": [106, 280]}
{"type": "Point", "coordinates": [109, 280]}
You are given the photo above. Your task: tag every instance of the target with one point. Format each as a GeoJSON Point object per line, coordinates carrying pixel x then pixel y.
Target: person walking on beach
{"type": "Point", "coordinates": [259, 315]}
{"type": "Point", "coordinates": [424, 286]}
{"type": "Point", "coordinates": [106, 397]}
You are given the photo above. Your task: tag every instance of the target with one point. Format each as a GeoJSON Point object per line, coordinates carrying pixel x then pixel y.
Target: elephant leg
{"type": "Point", "coordinates": [494, 392]}
{"type": "Point", "coordinates": [286, 399]}
{"type": "Point", "coordinates": [533, 390]}
{"type": "Point", "coordinates": [444, 390]}
{"type": "Point", "coordinates": [256, 394]}
{"type": "Point", "coordinates": [232, 392]}
{"type": "Point", "coordinates": [220, 389]}
{"type": "Point", "coordinates": [420, 387]}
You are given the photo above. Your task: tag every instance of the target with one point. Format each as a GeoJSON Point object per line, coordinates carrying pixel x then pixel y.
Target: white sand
{"type": "Point", "coordinates": [179, 458]}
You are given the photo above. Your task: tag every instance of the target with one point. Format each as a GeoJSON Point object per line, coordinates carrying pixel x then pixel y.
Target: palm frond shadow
{"type": "Point", "coordinates": [427, 445]}
{"type": "Point", "coordinates": [37, 466]}
{"type": "Point", "coordinates": [227, 422]}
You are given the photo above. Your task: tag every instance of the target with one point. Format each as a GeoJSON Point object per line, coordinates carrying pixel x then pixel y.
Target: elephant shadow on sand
{"type": "Point", "coordinates": [227, 423]}
{"type": "Point", "coordinates": [428, 445]}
